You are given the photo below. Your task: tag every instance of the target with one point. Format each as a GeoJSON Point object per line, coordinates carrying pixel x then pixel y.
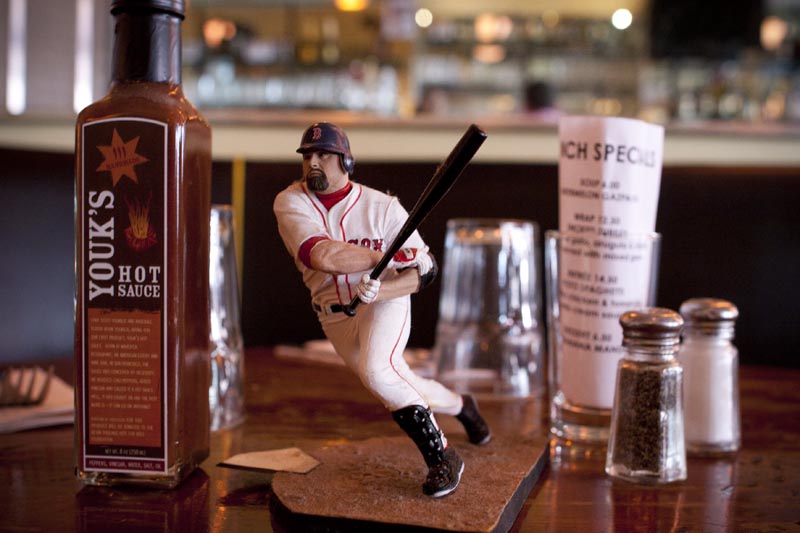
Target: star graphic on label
{"type": "Point", "coordinates": [121, 157]}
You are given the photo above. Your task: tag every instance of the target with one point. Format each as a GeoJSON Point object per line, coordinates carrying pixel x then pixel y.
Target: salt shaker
{"type": "Point", "coordinates": [646, 441]}
{"type": "Point", "coordinates": [711, 383]}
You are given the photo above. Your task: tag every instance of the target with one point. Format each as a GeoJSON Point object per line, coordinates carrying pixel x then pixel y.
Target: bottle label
{"type": "Point", "coordinates": [122, 213]}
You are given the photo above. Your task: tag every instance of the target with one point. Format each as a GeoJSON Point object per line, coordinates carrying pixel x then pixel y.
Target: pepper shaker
{"type": "Point", "coordinates": [711, 382]}
{"type": "Point", "coordinates": [646, 442]}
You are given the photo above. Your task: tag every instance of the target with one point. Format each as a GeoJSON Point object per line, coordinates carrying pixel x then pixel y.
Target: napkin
{"type": "Point", "coordinates": [284, 460]}
{"type": "Point", "coordinates": [56, 409]}
{"type": "Point", "coordinates": [322, 351]}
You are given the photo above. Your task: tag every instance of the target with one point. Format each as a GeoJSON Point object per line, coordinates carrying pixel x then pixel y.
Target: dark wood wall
{"type": "Point", "coordinates": [726, 233]}
{"type": "Point", "coordinates": [729, 233]}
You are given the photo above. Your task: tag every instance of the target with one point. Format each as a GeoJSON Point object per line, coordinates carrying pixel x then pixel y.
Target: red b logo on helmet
{"type": "Point", "coordinates": [317, 135]}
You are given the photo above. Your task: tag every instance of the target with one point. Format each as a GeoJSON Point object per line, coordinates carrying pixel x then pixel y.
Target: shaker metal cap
{"type": "Point", "coordinates": [173, 7]}
{"type": "Point", "coordinates": [653, 327]}
{"type": "Point", "coordinates": [709, 315]}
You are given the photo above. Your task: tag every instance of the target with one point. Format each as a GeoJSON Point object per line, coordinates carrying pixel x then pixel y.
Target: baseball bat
{"type": "Point", "coordinates": [439, 185]}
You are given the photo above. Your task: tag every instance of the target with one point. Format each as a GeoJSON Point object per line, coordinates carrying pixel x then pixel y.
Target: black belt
{"type": "Point", "coordinates": [328, 309]}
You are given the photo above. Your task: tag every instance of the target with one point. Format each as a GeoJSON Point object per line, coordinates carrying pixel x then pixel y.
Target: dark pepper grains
{"type": "Point", "coordinates": [640, 431]}
{"type": "Point", "coordinates": [645, 397]}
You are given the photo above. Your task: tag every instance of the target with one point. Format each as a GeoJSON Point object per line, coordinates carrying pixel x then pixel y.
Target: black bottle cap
{"type": "Point", "coordinates": [173, 7]}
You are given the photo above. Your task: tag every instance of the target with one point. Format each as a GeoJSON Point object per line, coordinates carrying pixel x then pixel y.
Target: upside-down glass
{"type": "Point", "coordinates": [590, 282]}
{"type": "Point", "coordinates": [226, 392]}
{"type": "Point", "coordinates": [489, 337]}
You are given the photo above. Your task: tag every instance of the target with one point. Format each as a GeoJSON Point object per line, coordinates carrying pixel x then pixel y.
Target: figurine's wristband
{"type": "Point", "coordinates": [427, 278]}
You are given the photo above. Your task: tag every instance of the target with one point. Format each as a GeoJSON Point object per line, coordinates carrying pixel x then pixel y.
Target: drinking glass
{"type": "Point", "coordinates": [489, 333]}
{"type": "Point", "coordinates": [226, 393]}
{"type": "Point", "coordinates": [590, 282]}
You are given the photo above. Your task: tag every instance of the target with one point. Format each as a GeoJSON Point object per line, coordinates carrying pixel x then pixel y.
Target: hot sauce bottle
{"type": "Point", "coordinates": [142, 203]}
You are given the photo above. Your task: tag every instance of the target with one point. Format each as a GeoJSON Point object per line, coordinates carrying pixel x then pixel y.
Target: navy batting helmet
{"type": "Point", "coordinates": [327, 137]}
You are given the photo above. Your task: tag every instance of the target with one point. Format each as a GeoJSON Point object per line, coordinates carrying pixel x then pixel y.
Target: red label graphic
{"type": "Point", "coordinates": [121, 158]}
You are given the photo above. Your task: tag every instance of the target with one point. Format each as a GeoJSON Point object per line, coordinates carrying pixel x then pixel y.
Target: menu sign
{"type": "Point", "coordinates": [609, 175]}
{"type": "Point", "coordinates": [609, 180]}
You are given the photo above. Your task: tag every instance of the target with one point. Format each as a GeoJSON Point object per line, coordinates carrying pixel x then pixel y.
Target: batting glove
{"type": "Point", "coordinates": [412, 258]}
{"type": "Point", "coordinates": [367, 290]}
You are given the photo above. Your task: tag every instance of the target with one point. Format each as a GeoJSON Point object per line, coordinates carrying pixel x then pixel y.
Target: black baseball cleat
{"type": "Point", "coordinates": [444, 477]}
{"type": "Point", "coordinates": [477, 429]}
{"type": "Point", "coordinates": [444, 465]}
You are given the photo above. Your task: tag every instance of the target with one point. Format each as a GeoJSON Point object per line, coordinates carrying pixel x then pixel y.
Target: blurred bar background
{"type": "Point", "coordinates": [404, 78]}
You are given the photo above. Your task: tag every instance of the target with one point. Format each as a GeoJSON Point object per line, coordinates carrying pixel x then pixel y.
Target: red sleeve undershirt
{"type": "Point", "coordinates": [304, 253]}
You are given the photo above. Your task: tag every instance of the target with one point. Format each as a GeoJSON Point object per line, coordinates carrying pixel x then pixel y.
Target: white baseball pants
{"type": "Point", "coordinates": [372, 343]}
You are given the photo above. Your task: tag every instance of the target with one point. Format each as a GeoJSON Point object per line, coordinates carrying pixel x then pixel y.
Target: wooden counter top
{"type": "Point", "coordinates": [292, 403]}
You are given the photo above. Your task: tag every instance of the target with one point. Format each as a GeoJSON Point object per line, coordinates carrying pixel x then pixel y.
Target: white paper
{"type": "Point", "coordinates": [322, 351]}
{"type": "Point", "coordinates": [609, 175]}
{"type": "Point", "coordinates": [609, 180]}
{"type": "Point", "coordinates": [57, 407]}
{"type": "Point", "coordinates": [600, 279]}
{"type": "Point", "coordinates": [283, 460]}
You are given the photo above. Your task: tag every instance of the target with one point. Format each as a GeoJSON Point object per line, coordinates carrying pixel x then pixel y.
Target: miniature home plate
{"type": "Point", "coordinates": [284, 460]}
{"type": "Point", "coordinates": [380, 481]}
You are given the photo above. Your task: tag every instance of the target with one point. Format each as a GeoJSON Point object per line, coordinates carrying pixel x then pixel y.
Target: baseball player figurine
{"type": "Point", "coordinates": [336, 231]}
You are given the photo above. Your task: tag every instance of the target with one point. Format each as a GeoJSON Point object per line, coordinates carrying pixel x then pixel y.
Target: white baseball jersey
{"type": "Point", "coordinates": [365, 217]}
{"type": "Point", "coordinates": [372, 342]}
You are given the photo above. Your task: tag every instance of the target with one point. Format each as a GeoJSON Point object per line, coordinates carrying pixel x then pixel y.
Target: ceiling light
{"type": "Point", "coordinates": [773, 32]}
{"type": "Point", "coordinates": [423, 17]}
{"type": "Point", "coordinates": [490, 27]}
{"type": "Point", "coordinates": [216, 30]}
{"type": "Point", "coordinates": [351, 5]}
{"type": "Point", "coordinates": [621, 19]}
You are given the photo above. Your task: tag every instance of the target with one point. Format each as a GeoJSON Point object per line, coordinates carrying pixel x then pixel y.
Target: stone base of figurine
{"type": "Point", "coordinates": [360, 485]}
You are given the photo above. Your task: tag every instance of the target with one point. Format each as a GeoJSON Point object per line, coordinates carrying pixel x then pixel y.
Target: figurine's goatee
{"type": "Point", "coordinates": [317, 181]}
